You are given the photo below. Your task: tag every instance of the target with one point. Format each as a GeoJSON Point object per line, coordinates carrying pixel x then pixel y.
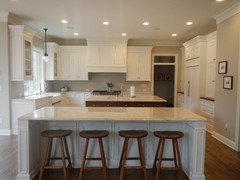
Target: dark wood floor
{"type": "Point", "coordinates": [222, 163]}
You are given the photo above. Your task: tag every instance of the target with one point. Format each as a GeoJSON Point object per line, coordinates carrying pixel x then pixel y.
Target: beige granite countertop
{"type": "Point", "coordinates": [39, 96]}
{"type": "Point", "coordinates": [138, 98]}
{"type": "Point", "coordinates": [113, 113]}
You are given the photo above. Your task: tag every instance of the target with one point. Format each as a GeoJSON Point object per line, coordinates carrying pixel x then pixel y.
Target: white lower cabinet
{"type": "Point", "coordinates": [21, 107]}
{"type": "Point", "coordinates": [73, 64]}
{"type": "Point", "coordinates": [180, 100]}
{"type": "Point", "coordinates": [207, 110]}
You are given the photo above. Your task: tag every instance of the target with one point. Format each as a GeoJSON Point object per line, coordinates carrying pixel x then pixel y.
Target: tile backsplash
{"type": "Point", "coordinates": [97, 81]}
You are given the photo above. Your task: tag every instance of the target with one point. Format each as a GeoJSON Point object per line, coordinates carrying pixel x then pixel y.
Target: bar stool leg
{"type": "Point", "coordinates": [103, 158]}
{"type": "Point", "coordinates": [160, 159]}
{"type": "Point", "coordinates": [157, 154]}
{"type": "Point", "coordinates": [67, 151]}
{"type": "Point", "coordinates": [179, 160]}
{"type": "Point", "coordinates": [84, 158]}
{"type": "Point", "coordinates": [44, 160]}
{"type": "Point", "coordinates": [174, 153]}
{"type": "Point", "coordinates": [124, 159]}
{"type": "Point", "coordinates": [63, 159]}
{"type": "Point", "coordinates": [142, 160]}
{"type": "Point", "coordinates": [121, 159]}
{"type": "Point", "coordinates": [49, 151]}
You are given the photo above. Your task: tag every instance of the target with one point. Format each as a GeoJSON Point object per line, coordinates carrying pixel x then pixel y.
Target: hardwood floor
{"type": "Point", "coordinates": [222, 163]}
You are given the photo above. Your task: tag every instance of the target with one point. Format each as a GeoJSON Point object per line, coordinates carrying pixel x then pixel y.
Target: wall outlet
{"type": "Point", "coordinates": [226, 127]}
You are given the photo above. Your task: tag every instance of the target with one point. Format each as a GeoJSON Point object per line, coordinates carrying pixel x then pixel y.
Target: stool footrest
{"type": "Point", "coordinates": [53, 167]}
{"type": "Point", "coordinates": [58, 158]}
{"type": "Point", "coordinates": [132, 158]}
{"type": "Point", "coordinates": [133, 167]}
{"type": "Point", "coordinates": [94, 159]}
{"type": "Point", "coordinates": [167, 159]}
{"type": "Point", "coordinates": [170, 168]}
{"type": "Point", "coordinates": [93, 167]}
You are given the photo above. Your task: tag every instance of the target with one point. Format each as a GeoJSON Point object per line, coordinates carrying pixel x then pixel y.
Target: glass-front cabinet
{"type": "Point", "coordinates": [21, 55]}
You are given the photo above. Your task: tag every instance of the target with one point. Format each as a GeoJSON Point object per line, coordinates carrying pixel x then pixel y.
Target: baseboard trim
{"type": "Point", "coordinates": [5, 132]}
{"type": "Point", "coordinates": [224, 140]}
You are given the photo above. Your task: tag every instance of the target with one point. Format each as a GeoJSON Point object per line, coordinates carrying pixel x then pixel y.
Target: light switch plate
{"type": "Point", "coordinates": [0, 88]}
{"type": "Point", "coordinates": [0, 120]}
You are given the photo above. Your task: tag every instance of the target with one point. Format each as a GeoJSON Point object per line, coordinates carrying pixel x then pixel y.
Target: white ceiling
{"type": "Point", "coordinates": [125, 16]}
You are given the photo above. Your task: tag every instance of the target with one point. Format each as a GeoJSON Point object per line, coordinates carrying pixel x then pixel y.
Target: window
{"type": "Point", "coordinates": [37, 85]}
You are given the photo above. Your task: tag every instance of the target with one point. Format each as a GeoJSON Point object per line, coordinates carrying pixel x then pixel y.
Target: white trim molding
{"type": "Point", "coordinates": [4, 16]}
{"type": "Point", "coordinates": [5, 132]}
{"type": "Point", "coordinates": [227, 13]}
{"type": "Point", "coordinates": [224, 140]}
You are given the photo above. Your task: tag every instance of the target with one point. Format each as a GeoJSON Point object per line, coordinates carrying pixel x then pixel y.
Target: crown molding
{"type": "Point", "coordinates": [106, 41]}
{"type": "Point", "coordinates": [227, 13]}
{"type": "Point", "coordinates": [195, 40]}
{"type": "Point", "coordinates": [153, 42]}
{"type": "Point", "coordinates": [4, 16]}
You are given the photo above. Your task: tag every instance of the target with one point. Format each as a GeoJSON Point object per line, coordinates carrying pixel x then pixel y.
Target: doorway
{"type": "Point", "coordinates": [165, 77]}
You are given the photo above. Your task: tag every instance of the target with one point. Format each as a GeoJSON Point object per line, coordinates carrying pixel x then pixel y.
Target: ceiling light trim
{"type": "Point", "coordinates": [227, 13]}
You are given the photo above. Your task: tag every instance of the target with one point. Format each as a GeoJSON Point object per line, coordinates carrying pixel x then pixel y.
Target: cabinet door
{"type": "Point", "coordinates": [65, 65]}
{"type": "Point", "coordinates": [187, 97]}
{"type": "Point", "coordinates": [73, 62]}
{"type": "Point", "coordinates": [194, 88]}
{"type": "Point", "coordinates": [144, 66]}
{"type": "Point", "coordinates": [82, 64]}
{"type": "Point", "coordinates": [28, 63]}
{"type": "Point", "coordinates": [132, 67]}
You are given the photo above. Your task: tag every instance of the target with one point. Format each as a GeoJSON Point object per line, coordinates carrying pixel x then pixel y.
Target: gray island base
{"type": "Point", "coordinates": [113, 119]}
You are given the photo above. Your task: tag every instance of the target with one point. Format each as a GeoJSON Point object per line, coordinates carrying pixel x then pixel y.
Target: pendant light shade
{"type": "Point", "coordinates": [45, 57]}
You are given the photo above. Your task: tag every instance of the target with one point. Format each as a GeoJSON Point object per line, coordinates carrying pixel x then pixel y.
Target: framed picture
{"type": "Point", "coordinates": [228, 82]}
{"type": "Point", "coordinates": [168, 77]}
{"type": "Point", "coordinates": [222, 67]}
{"type": "Point", "coordinates": [158, 77]}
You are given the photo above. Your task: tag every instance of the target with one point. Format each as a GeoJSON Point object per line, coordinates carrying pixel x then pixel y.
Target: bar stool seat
{"type": "Point", "coordinates": [174, 136]}
{"type": "Point", "coordinates": [132, 134]}
{"type": "Point", "coordinates": [61, 135]}
{"type": "Point", "coordinates": [168, 134]}
{"type": "Point", "coordinates": [56, 133]}
{"type": "Point", "coordinates": [94, 134]}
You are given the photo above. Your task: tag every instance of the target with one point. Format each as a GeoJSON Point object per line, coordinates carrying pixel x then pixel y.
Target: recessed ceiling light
{"type": "Point", "coordinates": [75, 34]}
{"type": "Point", "coordinates": [219, 0]}
{"type": "Point", "coordinates": [64, 21]}
{"type": "Point", "coordinates": [189, 23]}
{"type": "Point", "coordinates": [105, 23]}
{"type": "Point", "coordinates": [124, 34]}
{"type": "Point", "coordinates": [174, 35]}
{"type": "Point", "coordinates": [146, 23]}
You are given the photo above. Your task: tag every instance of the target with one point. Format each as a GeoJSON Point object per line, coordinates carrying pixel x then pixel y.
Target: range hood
{"type": "Point", "coordinates": [107, 56]}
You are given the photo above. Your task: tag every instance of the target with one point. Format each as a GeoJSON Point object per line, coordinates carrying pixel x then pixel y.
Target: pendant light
{"type": "Point", "coordinates": [45, 57]}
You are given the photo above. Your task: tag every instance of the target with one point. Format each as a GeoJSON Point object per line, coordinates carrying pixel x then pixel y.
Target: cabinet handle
{"type": "Point", "coordinates": [188, 91]}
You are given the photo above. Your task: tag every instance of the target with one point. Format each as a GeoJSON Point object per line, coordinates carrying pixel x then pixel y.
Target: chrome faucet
{"type": "Point", "coordinates": [110, 85]}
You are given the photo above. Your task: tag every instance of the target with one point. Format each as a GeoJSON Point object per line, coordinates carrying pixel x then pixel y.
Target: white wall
{"type": "Point", "coordinates": [5, 125]}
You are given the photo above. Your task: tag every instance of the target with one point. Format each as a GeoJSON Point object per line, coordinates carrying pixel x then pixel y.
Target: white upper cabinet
{"type": "Point", "coordinates": [53, 64]}
{"type": "Point", "coordinates": [139, 63]}
{"type": "Point", "coordinates": [211, 64]}
{"type": "Point", "coordinates": [107, 56]}
{"type": "Point", "coordinates": [21, 55]}
{"type": "Point", "coordinates": [73, 63]}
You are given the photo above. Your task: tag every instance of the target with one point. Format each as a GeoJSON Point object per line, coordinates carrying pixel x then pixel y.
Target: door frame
{"type": "Point", "coordinates": [165, 64]}
{"type": "Point", "coordinates": [237, 130]}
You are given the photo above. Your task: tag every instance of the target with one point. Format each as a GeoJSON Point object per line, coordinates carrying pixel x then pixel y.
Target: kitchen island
{"type": "Point", "coordinates": [113, 119]}
{"type": "Point", "coordinates": [126, 101]}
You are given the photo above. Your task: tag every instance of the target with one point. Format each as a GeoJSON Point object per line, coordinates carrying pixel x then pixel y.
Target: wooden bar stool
{"type": "Point", "coordinates": [94, 134]}
{"type": "Point", "coordinates": [138, 134]}
{"type": "Point", "coordinates": [61, 135]}
{"type": "Point", "coordinates": [174, 136]}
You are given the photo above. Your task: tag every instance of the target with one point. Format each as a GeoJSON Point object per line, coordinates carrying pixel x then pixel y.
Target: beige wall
{"type": "Point", "coordinates": [172, 50]}
{"type": "Point", "coordinates": [4, 80]}
{"type": "Point", "coordinates": [226, 100]}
